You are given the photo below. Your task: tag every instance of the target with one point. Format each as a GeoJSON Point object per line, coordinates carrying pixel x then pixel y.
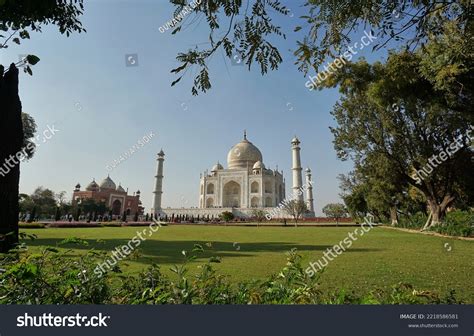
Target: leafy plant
{"type": "Point", "coordinates": [55, 277]}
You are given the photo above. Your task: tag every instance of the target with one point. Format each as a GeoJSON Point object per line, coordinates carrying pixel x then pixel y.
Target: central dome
{"type": "Point", "coordinates": [243, 155]}
{"type": "Point", "coordinates": [107, 183]}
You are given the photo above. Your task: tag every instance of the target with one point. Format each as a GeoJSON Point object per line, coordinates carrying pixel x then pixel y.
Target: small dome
{"type": "Point", "coordinates": [138, 192]}
{"type": "Point", "coordinates": [308, 170]}
{"type": "Point", "coordinates": [217, 167]}
{"type": "Point", "coordinates": [78, 186]}
{"type": "Point", "coordinates": [295, 141]}
{"type": "Point", "coordinates": [259, 165]}
{"type": "Point", "coordinates": [93, 186]}
{"type": "Point", "coordinates": [120, 189]}
{"type": "Point", "coordinates": [161, 153]}
{"type": "Point", "coordinates": [107, 183]}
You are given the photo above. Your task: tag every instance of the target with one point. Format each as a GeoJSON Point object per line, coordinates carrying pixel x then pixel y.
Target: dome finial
{"type": "Point", "coordinates": [245, 134]}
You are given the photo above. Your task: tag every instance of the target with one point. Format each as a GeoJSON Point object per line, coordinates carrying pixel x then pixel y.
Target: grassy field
{"type": "Point", "coordinates": [380, 258]}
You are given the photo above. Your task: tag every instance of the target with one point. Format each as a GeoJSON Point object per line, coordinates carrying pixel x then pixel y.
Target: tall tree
{"type": "Point", "coordinates": [354, 194]}
{"type": "Point", "coordinates": [17, 19]}
{"type": "Point", "coordinates": [426, 132]}
{"type": "Point", "coordinates": [335, 210]}
{"type": "Point", "coordinates": [295, 209]}
{"type": "Point", "coordinates": [11, 137]}
{"type": "Point", "coordinates": [258, 214]}
{"type": "Point", "coordinates": [44, 201]}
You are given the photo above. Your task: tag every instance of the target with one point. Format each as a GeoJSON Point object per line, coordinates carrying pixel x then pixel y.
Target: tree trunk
{"type": "Point", "coordinates": [393, 215]}
{"type": "Point", "coordinates": [11, 139]}
{"type": "Point", "coordinates": [428, 221]}
{"type": "Point", "coordinates": [437, 210]}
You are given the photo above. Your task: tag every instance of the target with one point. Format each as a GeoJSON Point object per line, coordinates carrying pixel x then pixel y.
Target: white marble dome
{"type": "Point", "coordinates": [295, 141]}
{"type": "Point", "coordinates": [243, 155]}
{"type": "Point", "coordinates": [217, 167]}
{"type": "Point", "coordinates": [258, 165]}
{"type": "Point", "coordinates": [93, 186]}
{"type": "Point", "coordinates": [107, 183]}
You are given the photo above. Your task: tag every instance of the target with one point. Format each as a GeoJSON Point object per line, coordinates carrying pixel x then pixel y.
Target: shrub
{"type": "Point", "coordinates": [55, 277]}
{"type": "Point", "coordinates": [51, 277]}
{"type": "Point", "coordinates": [112, 224]}
{"type": "Point", "coordinates": [416, 221]}
{"type": "Point", "coordinates": [226, 216]}
{"type": "Point", "coordinates": [73, 225]}
{"type": "Point", "coordinates": [457, 223]}
{"type": "Point", "coordinates": [32, 225]}
{"type": "Point", "coordinates": [136, 224]}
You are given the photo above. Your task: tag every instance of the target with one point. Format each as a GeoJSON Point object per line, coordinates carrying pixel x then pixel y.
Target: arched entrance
{"type": "Point", "coordinates": [254, 202]}
{"type": "Point", "coordinates": [232, 195]}
{"type": "Point", "coordinates": [210, 189]}
{"type": "Point", "coordinates": [116, 207]}
{"type": "Point", "coordinates": [254, 188]}
{"type": "Point", "coordinates": [210, 202]}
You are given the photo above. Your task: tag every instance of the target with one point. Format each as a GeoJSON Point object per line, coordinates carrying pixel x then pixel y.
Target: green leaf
{"type": "Point", "coordinates": [198, 248]}
{"type": "Point", "coordinates": [176, 81]}
{"type": "Point", "coordinates": [180, 68]}
{"type": "Point", "coordinates": [24, 34]}
{"type": "Point", "coordinates": [32, 59]}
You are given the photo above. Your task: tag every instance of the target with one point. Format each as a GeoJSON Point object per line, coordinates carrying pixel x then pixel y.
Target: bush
{"type": "Point", "coordinates": [51, 277]}
{"type": "Point", "coordinates": [226, 216]}
{"type": "Point", "coordinates": [457, 223]}
{"type": "Point", "coordinates": [73, 225]}
{"type": "Point", "coordinates": [136, 224]}
{"type": "Point", "coordinates": [112, 224]}
{"type": "Point", "coordinates": [32, 225]}
{"type": "Point", "coordinates": [460, 217]}
{"type": "Point", "coordinates": [454, 230]}
{"type": "Point", "coordinates": [54, 277]}
{"type": "Point", "coordinates": [416, 221]}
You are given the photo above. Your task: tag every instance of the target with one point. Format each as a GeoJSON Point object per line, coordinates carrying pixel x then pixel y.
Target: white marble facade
{"type": "Point", "coordinates": [244, 184]}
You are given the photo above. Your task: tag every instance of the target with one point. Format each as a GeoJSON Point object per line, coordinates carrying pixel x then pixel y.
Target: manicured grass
{"type": "Point", "coordinates": [380, 258]}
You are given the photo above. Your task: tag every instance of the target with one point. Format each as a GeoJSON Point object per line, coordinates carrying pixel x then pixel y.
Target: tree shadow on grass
{"type": "Point", "coordinates": [170, 252]}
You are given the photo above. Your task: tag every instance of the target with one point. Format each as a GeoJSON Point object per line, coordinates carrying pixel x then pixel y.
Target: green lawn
{"type": "Point", "coordinates": [380, 258]}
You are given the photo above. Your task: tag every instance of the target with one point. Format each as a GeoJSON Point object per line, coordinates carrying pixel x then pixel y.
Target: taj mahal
{"type": "Point", "coordinates": [245, 185]}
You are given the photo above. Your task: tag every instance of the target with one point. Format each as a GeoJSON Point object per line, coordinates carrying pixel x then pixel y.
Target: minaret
{"type": "Point", "coordinates": [297, 177]}
{"type": "Point", "coordinates": [309, 191]}
{"type": "Point", "coordinates": [158, 184]}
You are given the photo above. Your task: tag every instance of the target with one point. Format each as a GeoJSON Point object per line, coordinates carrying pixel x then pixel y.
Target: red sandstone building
{"type": "Point", "coordinates": [115, 198]}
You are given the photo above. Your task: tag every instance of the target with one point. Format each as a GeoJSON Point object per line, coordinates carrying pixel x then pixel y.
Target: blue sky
{"type": "Point", "coordinates": [101, 107]}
